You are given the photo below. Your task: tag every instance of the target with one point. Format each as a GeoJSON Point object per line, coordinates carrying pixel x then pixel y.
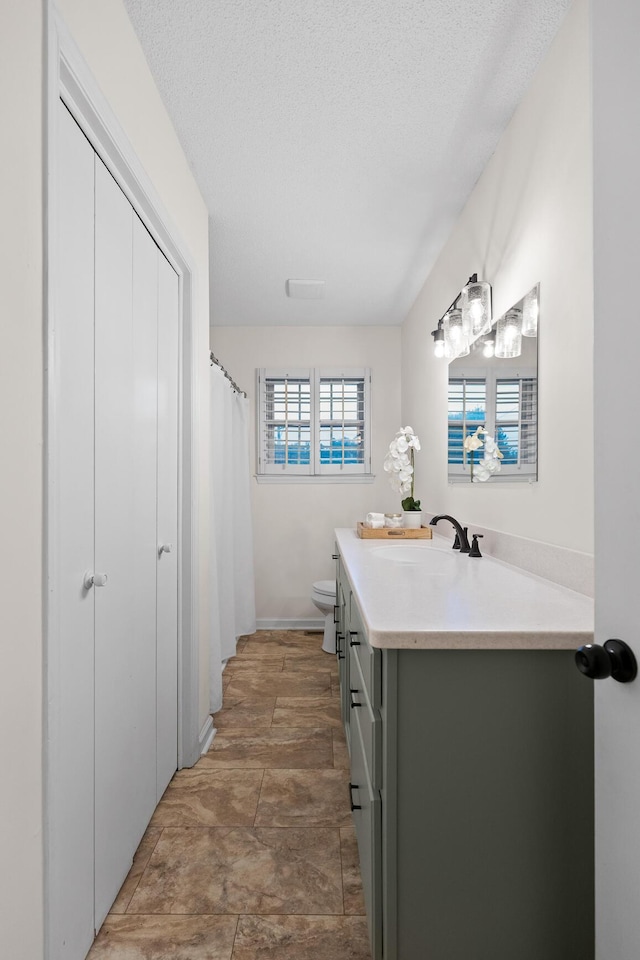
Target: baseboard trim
{"type": "Point", "coordinates": [206, 736]}
{"type": "Point", "coordinates": [317, 624]}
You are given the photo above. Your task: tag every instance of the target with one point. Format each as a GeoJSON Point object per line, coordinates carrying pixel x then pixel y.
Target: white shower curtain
{"type": "Point", "coordinates": [232, 595]}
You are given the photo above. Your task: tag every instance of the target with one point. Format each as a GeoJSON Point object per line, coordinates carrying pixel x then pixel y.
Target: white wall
{"type": "Point", "coordinates": [103, 32]}
{"type": "Point", "coordinates": [528, 219]}
{"type": "Point", "coordinates": [21, 480]}
{"type": "Point", "coordinates": [294, 523]}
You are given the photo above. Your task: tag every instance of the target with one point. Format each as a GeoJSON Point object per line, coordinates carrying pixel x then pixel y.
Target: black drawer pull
{"type": "Point", "coordinates": [335, 556]}
{"type": "Point", "coordinates": [339, 639]}
{"type": "Point", "coordinates": [353, 643]}
{"type": "Point", "coordinates": [336, 613]}
{"type": "Point", "coordinates": [354, 703]}
{"type": "Point", "coordinates": [352, 787]}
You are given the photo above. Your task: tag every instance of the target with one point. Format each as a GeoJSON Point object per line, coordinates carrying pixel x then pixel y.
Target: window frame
{"type": "Point", "coordinates": [315, 471]}
{"type": "Point", "coordinates": [459, 473]}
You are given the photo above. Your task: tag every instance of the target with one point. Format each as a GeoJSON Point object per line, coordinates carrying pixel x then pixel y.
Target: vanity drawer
{"type": "Point", "coordinates": [369, 660]}
{"type": "Point", "coordinates": [366, 720]}
{"type": "Point", "coordinates": [367, 819]}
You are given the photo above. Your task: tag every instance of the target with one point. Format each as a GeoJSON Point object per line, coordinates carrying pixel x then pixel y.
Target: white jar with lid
{"type": "Point", "coordinates": [393, 519]}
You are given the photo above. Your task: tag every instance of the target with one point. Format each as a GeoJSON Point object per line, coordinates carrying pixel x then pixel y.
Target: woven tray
{"type": "Point", "coordinates": [393, 533]}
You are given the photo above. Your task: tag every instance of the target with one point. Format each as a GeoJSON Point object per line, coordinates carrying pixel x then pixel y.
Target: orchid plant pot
{"type": "Point", "coordinates": [412, 519]}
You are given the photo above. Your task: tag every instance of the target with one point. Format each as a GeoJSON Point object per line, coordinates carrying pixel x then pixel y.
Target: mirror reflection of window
{"type": "Point", "coordinates": [499, 393]}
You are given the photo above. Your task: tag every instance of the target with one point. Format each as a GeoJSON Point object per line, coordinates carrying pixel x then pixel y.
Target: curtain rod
{"type": "Point", "coordinates": [227, 375]}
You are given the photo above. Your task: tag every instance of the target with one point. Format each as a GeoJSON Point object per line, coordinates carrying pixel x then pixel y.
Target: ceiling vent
{"type": "Point", "coordinates": [305, 289]}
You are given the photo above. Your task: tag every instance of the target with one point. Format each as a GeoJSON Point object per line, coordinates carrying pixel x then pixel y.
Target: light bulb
{"type": "Point", "coordinates": [509, 335]}
{"type": "Point", "coordinates": [489, 348]}
{"type": "Point", "coordinates": [438, 350]}
{"type": "Point", "coordinates": [476, 308]}
{"type": "Point", "coordinates": [454, 333]}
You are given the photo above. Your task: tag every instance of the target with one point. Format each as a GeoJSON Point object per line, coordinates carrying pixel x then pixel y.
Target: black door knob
{"type": "Point", "coordinates": [614, 659]}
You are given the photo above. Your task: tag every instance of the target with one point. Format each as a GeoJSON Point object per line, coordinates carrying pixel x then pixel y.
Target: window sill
{"type": "Point", "coordinates": [325, 478]}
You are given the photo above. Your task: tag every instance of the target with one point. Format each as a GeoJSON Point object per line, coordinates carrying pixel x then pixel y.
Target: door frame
{"type": "Point", "coordinates": [69, 78]}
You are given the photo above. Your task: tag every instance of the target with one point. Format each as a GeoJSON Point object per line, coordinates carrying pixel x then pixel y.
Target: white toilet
{"type": "Point", "coordinates": [324, 597]}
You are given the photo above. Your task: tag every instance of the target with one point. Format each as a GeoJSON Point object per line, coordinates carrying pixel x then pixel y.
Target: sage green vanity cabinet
{"type": "Point", "coordinates": [472, 779]}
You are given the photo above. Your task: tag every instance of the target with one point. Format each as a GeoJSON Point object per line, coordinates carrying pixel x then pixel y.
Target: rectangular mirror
{"type": "Point", "coordinates": [495, 387]}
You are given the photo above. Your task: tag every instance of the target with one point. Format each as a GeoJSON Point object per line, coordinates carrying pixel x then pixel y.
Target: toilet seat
{"type": "Point", "coordinates": [326, 588]}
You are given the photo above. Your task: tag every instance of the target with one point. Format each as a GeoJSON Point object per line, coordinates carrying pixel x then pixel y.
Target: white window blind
{"type": "Point", "coordinates": [507, 407]}
{"type": "Point", "coordinates": [516, 429]}
{"type": "Point", "coordinates": [467, 411]}
{"type": "Point", "coordinates": [313, 423]}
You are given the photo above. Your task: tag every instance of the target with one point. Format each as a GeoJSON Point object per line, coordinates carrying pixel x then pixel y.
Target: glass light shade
{"type": "Point", "coordinates": [438, 341]}
{"type": "Point", "coordinates": [509, 335]}
{"type": "Point", "coordinates": [476, 308]}
{"type": "Point", "coordinates": [454, 334]}
{"type": "Point", "coordinates": [530, 310]}
{"type": "Point", "coordinates": [489, 347]}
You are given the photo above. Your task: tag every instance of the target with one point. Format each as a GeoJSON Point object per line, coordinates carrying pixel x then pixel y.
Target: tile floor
{"type": "Point", "coordinates": [251, 854]}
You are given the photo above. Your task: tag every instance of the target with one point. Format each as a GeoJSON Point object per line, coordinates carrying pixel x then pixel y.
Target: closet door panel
{"type": "Point", "coordinates": [167, 639]}
{"type": "Point", "coordinates": [71, 733]}
{"type": "Point", "coordinates": [125, 531]}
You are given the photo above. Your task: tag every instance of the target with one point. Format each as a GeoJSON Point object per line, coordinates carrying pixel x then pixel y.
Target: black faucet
{"type": "Point", "coordinates": [461, 532]}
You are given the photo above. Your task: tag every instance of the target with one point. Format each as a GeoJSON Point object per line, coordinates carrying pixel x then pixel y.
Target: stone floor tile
{"type": "Point", "coordinates": [279, 747]}
{"type": "Point", "coordinates": [245, 714]}
{"type": "Point", "coordinates": [211, 798]}
{"type": "Point", "coordinates": [314, 798]}
{"type": "Point", "coordinates": [307, 712]}
{"type": "Point", "coordinates": [253, 667]}
{"type": "Point", "coordinates": [231, 870]}
{"type": "Point", "coordinates": [351, 877]}
{"type": "Point", "coordinates": [140, 860]}
{"type": "Point", "coordinates": [165, 938]}
{"type": "Point", "coordinates": [341, 760]}
{"type": "Point", "coordinates": [292, 684]}
{"type": "Point", "coordinates": [302, 938]}
{"type": "Point", "coordinates": [311, 662]}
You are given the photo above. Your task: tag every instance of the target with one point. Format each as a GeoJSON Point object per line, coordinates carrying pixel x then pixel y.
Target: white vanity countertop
{"type": "Point", "coordinates": [422, 594]}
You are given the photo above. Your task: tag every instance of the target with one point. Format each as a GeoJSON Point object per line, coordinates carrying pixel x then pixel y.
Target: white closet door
{"type": "Point", "coordinates": [70, 799]}
{"type": "Point", "coordinates": [167, 583]}
{"type": "Point", "coordinates": [125, 535]}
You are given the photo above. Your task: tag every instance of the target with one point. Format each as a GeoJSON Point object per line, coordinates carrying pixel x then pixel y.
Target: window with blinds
{"type": "Point", "coordinates": [516, 431]}
{"type": "Point", "coordinates": [467, 411]}
{"type": "Point", "coordinates": [313, 423]}
{"type": "Point", "coordinates": [508, 408]}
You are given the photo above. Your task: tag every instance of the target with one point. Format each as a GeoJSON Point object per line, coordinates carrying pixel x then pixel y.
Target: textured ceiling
{"type": "Point", "coordinates": [337, 139]}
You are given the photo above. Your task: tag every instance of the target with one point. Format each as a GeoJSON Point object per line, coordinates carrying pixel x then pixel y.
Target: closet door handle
{"type": "Point", "coordinates": [352, 787]}
{"type": "Point", "coordinates": [94, 580]}
{"type": "Point", "coordinates": [165, 548]}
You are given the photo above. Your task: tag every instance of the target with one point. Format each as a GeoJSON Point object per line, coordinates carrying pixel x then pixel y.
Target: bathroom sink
{"type": "Point", "coordinates": [436, 559]}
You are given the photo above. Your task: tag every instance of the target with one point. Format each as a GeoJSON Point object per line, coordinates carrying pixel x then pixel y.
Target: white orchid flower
{"type": "Point", "coordinates": [473, 441]}
{"type": "Point", "coordinates": [398, 463]}
{"type": "Point", "coordinates": [481, 473]}
{"type": "Point", "coordinates": [491, 448]}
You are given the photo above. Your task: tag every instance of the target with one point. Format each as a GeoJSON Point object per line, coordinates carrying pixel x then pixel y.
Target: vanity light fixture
{"type": "Point", "coordinates": [464, 320]}
{"type": "Point", "coordinates": [509, 335]}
